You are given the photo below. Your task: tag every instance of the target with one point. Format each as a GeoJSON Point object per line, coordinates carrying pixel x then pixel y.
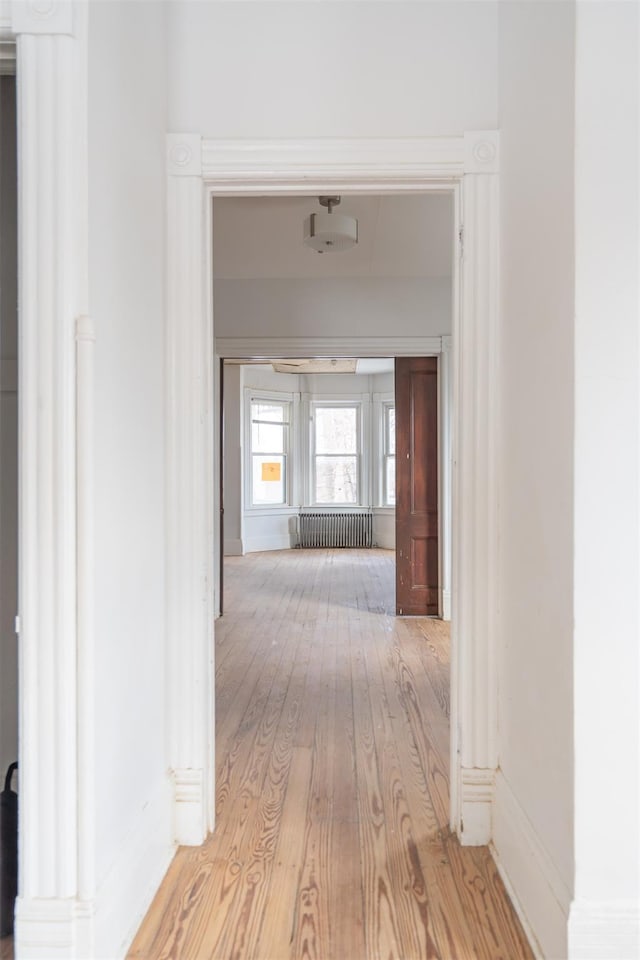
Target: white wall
{"type": "Point", "coordinates": [127, 122]}
{"type": "Point", "coordinates": [533, 823]}
{"type": "Point", "coordinates": [8, 428]}
{"type": "Point", "coordinates": [333, 307]}
{"type": "Point", "coordinates": [344, 69]}
{"type": "Point", "coordinates": [605, 919]}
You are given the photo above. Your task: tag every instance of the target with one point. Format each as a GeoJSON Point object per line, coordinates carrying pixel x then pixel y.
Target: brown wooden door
{"type": "Point", "coordinates": [417, 486]}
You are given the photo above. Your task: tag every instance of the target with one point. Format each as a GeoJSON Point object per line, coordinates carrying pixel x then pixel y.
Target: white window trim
{"type": "Point", "coordinates": [380, 401]}
{"type": "Point", "coordinates": [387, 405]}
{"type": "Point", "coordinates": [291, 499]}
{"type": "Point", "coordinates": [362, 401]}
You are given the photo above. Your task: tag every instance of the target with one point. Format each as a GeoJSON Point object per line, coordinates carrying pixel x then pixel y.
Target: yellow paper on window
{"type": "Point", "coordinates": [271, 471]}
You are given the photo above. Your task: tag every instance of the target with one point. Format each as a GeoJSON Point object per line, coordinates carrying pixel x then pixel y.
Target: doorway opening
{"type": "Point", "coordinates": [304, 628]}
{"type": "Point", "coordinates": [398, 279]}
{"type": "Point", "coordinates": [309, 460]}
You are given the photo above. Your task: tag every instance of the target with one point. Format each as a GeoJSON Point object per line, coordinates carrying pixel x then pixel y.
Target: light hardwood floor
{"type": "Point", "coordinates": [332, 783]}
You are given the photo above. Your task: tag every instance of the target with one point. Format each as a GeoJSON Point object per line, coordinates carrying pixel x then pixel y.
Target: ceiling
{"type": "Point", "coordinates": [362, 365]}
{"type": "Point", "coordinates": [399, 236]}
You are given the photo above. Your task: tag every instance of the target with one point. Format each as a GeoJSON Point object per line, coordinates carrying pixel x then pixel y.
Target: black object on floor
{"type": "Point", "coordinates": [8, 853]}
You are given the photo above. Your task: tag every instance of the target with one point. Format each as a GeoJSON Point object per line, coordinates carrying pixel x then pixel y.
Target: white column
{"type": "Point", "coordinates": [51, 71]}
{"type": "Point", "coordinates": [190, 497]}
{"type": "Point", "coordinates": [475, 493]}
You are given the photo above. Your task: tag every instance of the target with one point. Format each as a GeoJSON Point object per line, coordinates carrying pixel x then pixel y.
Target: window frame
{"type": "Point", "coordinates": [386, 407]}
{"type": "Point", "coordinates": [360, 403]}
{"type": "Point", "coordinates": [287, 400]}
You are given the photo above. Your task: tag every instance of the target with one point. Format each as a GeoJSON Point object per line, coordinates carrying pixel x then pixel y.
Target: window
{"type": "Point", "coordinates": [336, 453]}
{"type": "Point", "coordinates": [389, 455]}
{"type": "Point", "coordinates": [270, 420]}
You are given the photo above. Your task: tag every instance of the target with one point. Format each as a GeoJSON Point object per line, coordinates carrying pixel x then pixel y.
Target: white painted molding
{"type": "Point", "coordinates": [190, 807]}
{"type": "Point", "coordinates": [476, 794]}
{"type": "Point", "coordinates": [273, 347]}
{"type": "Point", "coordinates": [233, 548]}
{"type": "Point", "coordinates": [445, 401]}
{"type": "Point", "coordinates": [482, 151]}
{"type": "Point", "coordinates": [608, 930]}
{"type": "Point", "coordinates": [474, 599]}
{"type": "Point", "coordinates": [49, 17]}
{"type": "Point", "coordinates": [184, 154]}
{"type": "Point", "coordinates": [49, 274]}
{"type": "Point", "coordinates": [52, 928]}
{"type": "Point", "coordinates": [283, 541]}
{"type": "Point", "coordinates": [291, 163]}
{"type": "Point", "coordinates": [85, 348]}
{"type": "Point", "coordinates": [189, 572]}
{"type": "Point", "coordinates": [446, 605]}
{"type": "Point", "coordinates": [542, 900]}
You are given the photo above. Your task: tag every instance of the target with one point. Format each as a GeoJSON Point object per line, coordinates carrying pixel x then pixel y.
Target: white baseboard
{"type": "Point", "coordinates": [135, 874]}
{"type": "Point", "coordinates": [53, 929]}
{"type": "Point", "coordinates": [476, 803]}
{"type": "Point", "coordinates": [277, 542]}
{"type": "Point", "coordinates": [233, 548]}
{"type": "Point", "coordinates": [190, 809]}
{"type": "Point", "coordinates": [446, 605]}
{"type": "Point", "coordinates": [538, 892]}
{"type": "Point", "coordinates": [384, 543]}
{"type": "Point", "coordinates": [70, 929]}
{"type": "Point", "coordinates": [607, 930]}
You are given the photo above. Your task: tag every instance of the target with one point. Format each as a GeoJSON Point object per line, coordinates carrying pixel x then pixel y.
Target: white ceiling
{"type": "Point", "coordinates": [399, 236]}
{"type": "Point", "coordinates": [364, 365]}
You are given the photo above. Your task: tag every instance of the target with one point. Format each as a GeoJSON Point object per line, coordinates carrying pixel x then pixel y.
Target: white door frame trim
{"type": "Point", "coordinates": [198, 170]}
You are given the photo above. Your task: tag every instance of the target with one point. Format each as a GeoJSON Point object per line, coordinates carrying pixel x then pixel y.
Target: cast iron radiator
{"type": "Point", "coordinates": [335, 529]}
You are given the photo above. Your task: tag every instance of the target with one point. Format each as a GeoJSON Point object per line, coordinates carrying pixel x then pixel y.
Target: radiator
{"type": "Point", "coordinates": [336, 530]}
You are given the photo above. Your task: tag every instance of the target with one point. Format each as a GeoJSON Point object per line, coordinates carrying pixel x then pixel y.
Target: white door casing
{"type": "Point", "coordinates": [197, 171]}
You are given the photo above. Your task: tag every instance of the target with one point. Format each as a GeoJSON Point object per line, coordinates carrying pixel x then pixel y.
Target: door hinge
{"type": "Point", "coordinates": [461, 241]}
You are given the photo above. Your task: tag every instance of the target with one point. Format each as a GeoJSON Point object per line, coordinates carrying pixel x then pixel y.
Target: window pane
{"type": "Point", "coordinates": [269, 481]}
{"type": "Point", "coordinates": [391, 430]}
{"type": "Point", "coordinates": [267, 437]}
{"type": "Point", "coordinates": [390, 481]}
{"type": "Point", "coordinates": [336, 479]}
{"type": "Point", "coordinates": [263, 410]}
{"type": "Point", "coordinates": [336, 430]}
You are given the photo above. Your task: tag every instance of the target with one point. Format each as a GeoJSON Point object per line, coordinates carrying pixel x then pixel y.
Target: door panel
{"type": "Point", "coordinates": [417, 554]}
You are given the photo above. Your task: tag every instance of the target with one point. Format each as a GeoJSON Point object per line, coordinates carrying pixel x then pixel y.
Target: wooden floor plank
{"type": "Point", "coordinates": [332, 838]}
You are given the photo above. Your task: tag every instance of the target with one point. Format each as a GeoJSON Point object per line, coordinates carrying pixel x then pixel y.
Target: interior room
{"type": "Point", "coordinates": [267, 277]}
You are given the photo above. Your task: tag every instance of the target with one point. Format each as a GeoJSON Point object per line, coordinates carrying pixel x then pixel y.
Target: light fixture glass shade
{"type": "Point", "coordinates": [330, 232]}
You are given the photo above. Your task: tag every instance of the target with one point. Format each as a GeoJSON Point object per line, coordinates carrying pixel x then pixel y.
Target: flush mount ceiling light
{"type": "Point", "coordinates": [330, 232]}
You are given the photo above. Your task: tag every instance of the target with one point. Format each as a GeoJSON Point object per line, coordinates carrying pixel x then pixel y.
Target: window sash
{"type": "Point", "coordinates": [354, 455]}
{"type": "Point", "coordinates": [278, 456]}
{"type": "Point", "coordinates": [388, 456]}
